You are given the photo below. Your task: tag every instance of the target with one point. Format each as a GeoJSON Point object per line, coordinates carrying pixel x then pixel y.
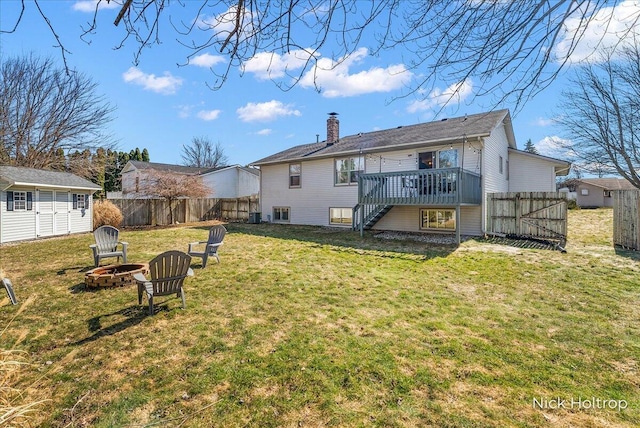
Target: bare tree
{"type": "Point", "coordinates": [46, 114]}
{"type": "Point", "coordinates": [509, 47]}
{"type": "Point", "coordinates": [171, 186]}
{"type": "Point", "coordinates": [601, 114]}
{"type": "Point", "coordinates": [203, 154]}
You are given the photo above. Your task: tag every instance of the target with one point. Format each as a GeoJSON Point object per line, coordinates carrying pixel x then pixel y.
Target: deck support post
{"type": "Point", "coordinates": [458, 224]}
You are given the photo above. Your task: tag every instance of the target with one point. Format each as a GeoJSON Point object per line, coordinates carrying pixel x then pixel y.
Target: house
{"type": "Point", "coordinates": [428, 177]}
{"type": "Point", "coordinates": [596, 192]}
{"type": "Point", "coordinates": [233, 181]}
{"type": "Point", "coordinates": [36, 203]}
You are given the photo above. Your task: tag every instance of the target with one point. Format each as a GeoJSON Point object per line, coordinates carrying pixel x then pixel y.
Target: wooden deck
{"type": "Point", "coordinates": [378, 193]}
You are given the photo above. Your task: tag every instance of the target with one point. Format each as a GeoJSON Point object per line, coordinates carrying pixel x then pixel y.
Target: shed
{"type": "Point", "coordinates": [37, 203]}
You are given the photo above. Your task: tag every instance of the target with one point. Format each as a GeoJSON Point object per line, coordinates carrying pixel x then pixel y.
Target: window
{"type": "Point", "coordinates": [137, 184]}
{"type": "Point", "coordinates": [500, 166]}
{"type": "Point", "coordinates": [20, 201]}
{"type": "Point", "coordinates": [294, 174]}
{"type": "Point", "coordinates": [439, 159]}
{"type": "Point", "coordinates": [80, 202]}
{"type": "Point", "coordinates": [448, 158]}
{"type": "Point", "coordinates": [607, 193]}
{"type": "Point", "coordinates": [507, 166]}
{"type": "Point", "coordinates": [348, 169]}
{"type": "Point", "coordinates": [438, 219]}
{"type": "Point", "coordinates": [281, 214]}
{"type": "Point", "coordinates": [340, 216]}
{"type": "Point", "coordinates": [584, 192]}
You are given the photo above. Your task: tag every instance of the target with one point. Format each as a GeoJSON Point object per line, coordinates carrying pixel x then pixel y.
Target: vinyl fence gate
{"type": "Point", "coordinates": [537, 216]}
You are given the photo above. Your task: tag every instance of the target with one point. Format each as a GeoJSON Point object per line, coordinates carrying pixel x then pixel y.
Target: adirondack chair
{"type": "Point", "coordinates": [210, 249]}
{"type": "Point", "coordinates": [107, 245]}
{"type": "Point", "coordinates": [168, 272]}
{"type": "Point", "coordinates": [9, 287]}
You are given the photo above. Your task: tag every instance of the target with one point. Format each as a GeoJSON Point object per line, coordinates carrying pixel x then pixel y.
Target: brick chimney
{"type": "Point", "coordinates": [333, 129]}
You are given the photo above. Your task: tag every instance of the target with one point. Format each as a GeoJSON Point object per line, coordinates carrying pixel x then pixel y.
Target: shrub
{"type": "Point", "coordinates": [105, 212]}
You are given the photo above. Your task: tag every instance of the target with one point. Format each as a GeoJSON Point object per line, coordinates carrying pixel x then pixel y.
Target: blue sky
{"type": "Point", "coordinates": [162, 103]}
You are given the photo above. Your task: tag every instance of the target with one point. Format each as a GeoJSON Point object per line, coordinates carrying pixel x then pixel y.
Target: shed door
{"type": "Point", "coordinates": [44, 212]}
{"type": "Point", "coordinates": [62, 212]}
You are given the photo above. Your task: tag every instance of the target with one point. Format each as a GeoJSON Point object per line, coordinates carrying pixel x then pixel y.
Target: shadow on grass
{"type": "Point", "coordinates": [135, 314]}
{"type": "Point", "coordinates": [630, 254]}
{"type": "Point", "coordinates": [340, 237]}
{"type": "Point", "coordinates": [79, 269]}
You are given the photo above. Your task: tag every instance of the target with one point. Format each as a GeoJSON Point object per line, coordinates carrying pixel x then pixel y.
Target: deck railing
{"type": "Point", "coordinates": [448, 186]}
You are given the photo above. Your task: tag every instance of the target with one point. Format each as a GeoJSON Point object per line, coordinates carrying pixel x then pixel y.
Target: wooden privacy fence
{"type": "Point", "coordinates": [145, 212]}
{"type": "Point", "coordinates": [529, 215]}
{"type": "Point", "coordinates": [626, 219]}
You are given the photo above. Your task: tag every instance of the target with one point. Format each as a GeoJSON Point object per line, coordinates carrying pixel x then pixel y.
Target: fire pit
{"type": "Point", "coordinates": [114, 275]}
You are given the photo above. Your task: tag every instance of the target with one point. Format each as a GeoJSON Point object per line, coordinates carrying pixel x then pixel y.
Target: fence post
{"type": "Point", "coordinates": [517, 202]}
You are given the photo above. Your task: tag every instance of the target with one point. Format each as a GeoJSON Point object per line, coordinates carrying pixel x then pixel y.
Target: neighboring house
{"type": "Point", "coordinates": [36, 203]}
{"type": "Point", "coordinates": [427, 177]}
{"type": "Point", "coordinates": [233, 181]}
{"type": "Point", "coordinates": [596, 192]}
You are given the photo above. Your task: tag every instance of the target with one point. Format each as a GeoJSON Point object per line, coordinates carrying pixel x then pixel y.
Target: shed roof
{"type": "Point", "coordinates": [180, 169]}
{"type": "Point", "coordinates": [431, 133]}
{"type": "Point", "coordinates": [609, 183]}
{"type": "Point", "coordinates": [21, 176]}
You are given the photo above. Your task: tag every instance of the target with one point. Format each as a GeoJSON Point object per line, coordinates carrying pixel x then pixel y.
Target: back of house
{"type": "Point", "coordinates": [429, 177]}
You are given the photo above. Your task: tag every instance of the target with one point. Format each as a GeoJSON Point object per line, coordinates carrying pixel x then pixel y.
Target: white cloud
{"type": "Point", "coordinates": [265, 112]}
{"type": "Point", "coordinates": [207, 60]}
{"type": "Point", "coordinates": [224, 24]}
{"type": "Point", "coordinates": [543, 121]}
{"type": "Point", "coordinates": [209, 114]}
{"type": "Point", "coordinates": [438, 98]}
{"type": "Point", "coordinates": [265, 131]}
{"type": "Point", "coordinates": [555, 147]}
{"type": "Point", "coordinates": [270, 65]}
{"type": "Point", "coordinates": [608, 26]}
{"type": "Point", "coordinates": [166, 84]}
{"type": "Point", "coordinates": [90, 5]}
{"type": "Point", "coordinates": [334, 80]}
{"type": "Point", "coordinates": [184, 111]}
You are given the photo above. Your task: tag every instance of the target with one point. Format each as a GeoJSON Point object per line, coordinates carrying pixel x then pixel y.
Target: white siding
{"type": "Point", "coordinates": [232, 182]}
{"type": "Point", "coordinates": [81, 219]}
{"type": "Point", "coordinates": [248, 183]}
{"type": "Point", "coordinates": [531, 174]}
{"type": "Point", "coordinates": [407, 219]}
{"type": "Point", "coordinates": [44, 212]}
{"type": "Point", "coordinates": [62, 212]}
{"type": "Point", "coordinates": [494, 147]}
{"type": "Point", "coordinates": [309, 203]}
{"type": "Point", "coordinates": [407, 160]}
{"type": "Point", "coordinates": [17, 225]}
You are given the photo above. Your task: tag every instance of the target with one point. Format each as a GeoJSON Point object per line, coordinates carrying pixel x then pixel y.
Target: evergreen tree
{"type": "Point", "coordinates": [529, 147]}
{"type": "Point", "coordinates": [145, 155]}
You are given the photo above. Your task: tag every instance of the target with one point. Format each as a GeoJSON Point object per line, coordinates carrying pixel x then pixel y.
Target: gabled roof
{"type": "Point", "coordinates": [609, 183]}
{"type": "Point", "coordinates": [180, 169]}
{"type": "Point", "coordinates": [21, 176]}
{"type": "Point", "coordinates": [431, 133]}
{"type": "Point", "coordinates": [562, 167]}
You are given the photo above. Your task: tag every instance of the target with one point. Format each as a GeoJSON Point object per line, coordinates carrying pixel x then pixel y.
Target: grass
{"type": "Point", "coordinates": [307, 326]}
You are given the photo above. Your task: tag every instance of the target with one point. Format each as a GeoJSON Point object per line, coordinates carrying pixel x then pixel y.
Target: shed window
{"type": "Point", "coordinates": [19, 201]}
{"type": "Point", "coordinates": [80, 202]}
{"type": "Point", "coordinates": [584, 192]}
{"type": "Point", "coordinates": [501, 165]}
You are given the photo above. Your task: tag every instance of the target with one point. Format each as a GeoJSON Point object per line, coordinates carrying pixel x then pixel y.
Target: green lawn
{"type": "Point", "coordinates": [306, 326]}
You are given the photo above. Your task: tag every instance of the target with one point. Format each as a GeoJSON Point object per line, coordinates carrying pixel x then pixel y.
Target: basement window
{"type": "Point", "coordinates": [435, 219]}
{"type": "Point", "coordinates": [281, 214]}
{"type": "Point", "coordinates": [340, 216]}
